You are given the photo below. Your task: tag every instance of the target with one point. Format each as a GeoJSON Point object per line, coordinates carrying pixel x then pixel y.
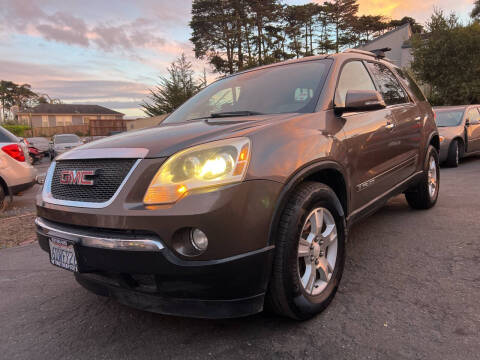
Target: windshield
{"type": "Point", "coordinates": [66, 139]}
{"type": "Point", "coordinates": [292, 88]}
{"type": "Point", "coordinates": [448, 118]}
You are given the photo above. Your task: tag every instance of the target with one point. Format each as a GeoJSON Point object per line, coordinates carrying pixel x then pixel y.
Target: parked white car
{"type": "Point", "coordinates": [62, 143]}
{"type": "Point", "coordinates": [16, 172]}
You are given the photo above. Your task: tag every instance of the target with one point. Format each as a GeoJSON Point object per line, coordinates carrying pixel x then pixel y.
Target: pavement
{"type": "Point", "coordinates": [410, 290]}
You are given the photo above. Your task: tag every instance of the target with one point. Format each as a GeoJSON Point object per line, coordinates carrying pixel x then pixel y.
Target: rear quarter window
{"type": "Point", "coordinates": [411, 84]}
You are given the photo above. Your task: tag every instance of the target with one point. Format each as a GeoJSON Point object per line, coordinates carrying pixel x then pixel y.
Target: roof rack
{"type": "Point", "coordinates": [377, 53]}
{"type": "Point", "coordinates": [380, 53]}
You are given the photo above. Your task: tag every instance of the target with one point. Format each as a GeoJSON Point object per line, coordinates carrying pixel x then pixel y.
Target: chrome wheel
{"type": "Point", "coordinates": [432, 178]}
{"type": "Point", "coordinates": [317, 251]}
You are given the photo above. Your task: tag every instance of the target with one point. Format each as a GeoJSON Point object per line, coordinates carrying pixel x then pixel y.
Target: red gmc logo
{"type": "Point", "coordinates": [77, 177]}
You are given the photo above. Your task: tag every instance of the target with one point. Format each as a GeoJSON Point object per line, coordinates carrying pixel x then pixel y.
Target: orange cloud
{"type": "Point", "coordinates": [421, 10]}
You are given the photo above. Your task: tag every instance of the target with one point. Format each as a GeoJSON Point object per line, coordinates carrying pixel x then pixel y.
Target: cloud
{"type": "Point", "coordinates": [65, 28]}
{"type": "Point", "coordinates": [60, 26]}
{"type": "Point", "coordinates": [420, 10]}
{"type": "Point", "coordinates": [76, 87]}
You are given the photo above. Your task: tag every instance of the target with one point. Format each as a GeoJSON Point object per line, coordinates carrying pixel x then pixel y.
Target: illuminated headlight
{"type": "Point", "coordinates": [212, 164]}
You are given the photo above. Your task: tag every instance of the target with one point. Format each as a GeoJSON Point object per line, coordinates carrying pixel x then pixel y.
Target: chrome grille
{"type": "Point", "coordinates": [110, 173]}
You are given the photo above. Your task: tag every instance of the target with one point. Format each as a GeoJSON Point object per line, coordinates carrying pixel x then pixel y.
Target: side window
{"type": "Point", "coordinates": [412, 85]}
{"type": "Point", "coordinates": [6, 137]}
{"type": "Point", "coordinates": [354, 76]}
{"type": "Point", "coordinates": [388, 85]}
{"type": "Point", "coordinates": [473, 115]}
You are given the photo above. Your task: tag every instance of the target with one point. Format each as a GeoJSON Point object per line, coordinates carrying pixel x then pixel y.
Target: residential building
{"type": "Point", "coordinates": [399, 40]}
{"type": "Point", "coordinates": [53, 115]}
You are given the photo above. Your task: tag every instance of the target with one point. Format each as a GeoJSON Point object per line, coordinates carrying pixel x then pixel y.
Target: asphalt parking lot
{"type": "Point", "coordinates": [411, 290]}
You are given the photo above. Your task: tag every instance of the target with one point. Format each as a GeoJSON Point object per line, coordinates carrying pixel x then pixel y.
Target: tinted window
{"type": "Point", "coordinates": [280, 89]}
{"type": "Point", "coordinates": [65, 139]}
{"type": "Point", "coordinates": [388, 85]}
{"type": "Point", "coordinates": [7, 137]}
{"type": "Point", "coordinates": [412, 85]}
{"type": "Point", "coordinates": [354, 76]}
{"type": "Point", "coordinates": [446, 118]}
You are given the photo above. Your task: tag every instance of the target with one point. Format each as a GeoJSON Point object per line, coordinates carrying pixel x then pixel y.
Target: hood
{"type": "Point", "coordinates": [167, 139]}
{"type": "Point", "coordinates": [67, 145]}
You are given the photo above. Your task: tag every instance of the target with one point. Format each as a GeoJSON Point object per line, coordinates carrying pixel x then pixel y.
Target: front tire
{"type": "Point", "coordinates": [424, 195]}
{"type": "Point", "coordinates": [453, 159]}
{"type": "Point", "coordinates": [310, 253]}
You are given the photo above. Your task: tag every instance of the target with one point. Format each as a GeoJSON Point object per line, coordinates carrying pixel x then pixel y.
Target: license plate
{"type": "Point", "coordinates": [62, 254]}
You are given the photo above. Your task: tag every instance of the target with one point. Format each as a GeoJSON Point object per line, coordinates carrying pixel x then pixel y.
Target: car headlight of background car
{"type": "Point", "coordinates": [212, 164]}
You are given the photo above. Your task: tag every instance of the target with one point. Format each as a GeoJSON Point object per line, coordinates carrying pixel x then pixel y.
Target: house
{"type": "Point", "coordinates": [53, 115]}
{"type": "Point", "coordinates": [142, 123]}
{"type": "Point", "coordinates": [399, 40]}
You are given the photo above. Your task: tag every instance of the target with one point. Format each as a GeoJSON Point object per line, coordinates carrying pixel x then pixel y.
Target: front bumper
{"type": "Point", "coordinates": [138, 271]}
{"type": "Point", "coordinates": [444, 147]}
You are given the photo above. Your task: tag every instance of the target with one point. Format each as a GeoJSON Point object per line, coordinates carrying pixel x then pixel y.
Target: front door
{"type": "Point", "coordinates": [473, 129]}
{"type": "Point", "coordinates": [370, 139]}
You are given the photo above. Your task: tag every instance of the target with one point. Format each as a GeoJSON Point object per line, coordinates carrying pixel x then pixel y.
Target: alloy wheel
{"type": "Point", "coordinates": [317, 251]}
{"type": "Point", "coordinates": [432, 178]}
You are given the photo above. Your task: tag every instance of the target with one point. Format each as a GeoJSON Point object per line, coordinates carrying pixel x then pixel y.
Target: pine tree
{"type": "Point", "coordinates": [173, 90]}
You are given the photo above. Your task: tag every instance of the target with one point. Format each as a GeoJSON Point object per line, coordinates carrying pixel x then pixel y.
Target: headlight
{"type": "Point", "coordinates": [212, 164]}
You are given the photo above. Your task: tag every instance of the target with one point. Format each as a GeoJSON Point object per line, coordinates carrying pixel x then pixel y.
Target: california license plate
{"type": "Point", "coordinates": [62, 254]}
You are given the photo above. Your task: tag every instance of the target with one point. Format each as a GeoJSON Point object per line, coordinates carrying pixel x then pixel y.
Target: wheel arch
{"type": "Point", "coordinates": [329, 173]}
{"type": "Point", "coordinates": [434, 140]}
{"type": "Point", "coordinates": [4, 186]}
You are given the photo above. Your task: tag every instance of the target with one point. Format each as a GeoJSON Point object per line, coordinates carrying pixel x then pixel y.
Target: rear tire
{"type": "Point", "coordinates": [453, 159]}
{"type": "Point", "coordinates": [425, 195]}
{"type": "Point", "coordinates": [308, 243]}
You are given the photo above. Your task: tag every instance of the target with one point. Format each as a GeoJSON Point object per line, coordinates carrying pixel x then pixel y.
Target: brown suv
{"type": "Point", "coordinates": [245, 194]}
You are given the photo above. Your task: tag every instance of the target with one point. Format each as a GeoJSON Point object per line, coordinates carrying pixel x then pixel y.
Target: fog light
{"type": "Point", "coordinates": [199, 239]}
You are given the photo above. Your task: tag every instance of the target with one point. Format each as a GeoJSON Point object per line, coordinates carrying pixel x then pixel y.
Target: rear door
{"type": "Point", "coordinates": [473, 129]}
{"type": "Point", "coordinates": [369, 138]}
{"type": "Point", "coordinates": [406, 135]}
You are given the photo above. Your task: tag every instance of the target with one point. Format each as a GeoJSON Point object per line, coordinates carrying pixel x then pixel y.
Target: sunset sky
{"type": "Point", "coordinates": [110, 52]}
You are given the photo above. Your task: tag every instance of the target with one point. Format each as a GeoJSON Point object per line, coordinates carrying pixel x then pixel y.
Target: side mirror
{"type": "Point", "coordinates": [363, 100]}
{"type": "Point", "coordinates": [467, 122]}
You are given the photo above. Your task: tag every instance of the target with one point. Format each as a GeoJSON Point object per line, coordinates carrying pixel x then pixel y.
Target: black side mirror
{"type": "Point", "coordinates": [467, 122]}
{"type": "Point", "coordinates": [363, 100]}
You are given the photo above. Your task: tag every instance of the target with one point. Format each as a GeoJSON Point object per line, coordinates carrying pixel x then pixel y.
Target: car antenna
{"type": "Point", "coordinates": [380, 53]}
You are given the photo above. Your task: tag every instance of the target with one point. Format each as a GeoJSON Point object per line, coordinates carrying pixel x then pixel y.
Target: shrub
{"type": "Point", "coordinates": [17, 130]}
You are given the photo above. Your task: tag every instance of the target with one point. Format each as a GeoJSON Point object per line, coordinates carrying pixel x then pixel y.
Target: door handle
{"type": "Point", "coordinates": [389, 126]}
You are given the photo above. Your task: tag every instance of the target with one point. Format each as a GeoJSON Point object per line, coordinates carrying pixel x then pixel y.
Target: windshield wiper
{"type": "Point", "coordinates": [234, 114]}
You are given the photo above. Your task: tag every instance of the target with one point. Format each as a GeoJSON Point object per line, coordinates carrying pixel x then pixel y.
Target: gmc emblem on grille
{"type": "Point", "coordinates": [77, 177]}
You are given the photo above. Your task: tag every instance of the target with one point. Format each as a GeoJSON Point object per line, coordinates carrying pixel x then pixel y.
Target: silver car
{"type": "Point", "coordinates": [63, 143]}
{"type": "Point", "coordinates": [459, 128]}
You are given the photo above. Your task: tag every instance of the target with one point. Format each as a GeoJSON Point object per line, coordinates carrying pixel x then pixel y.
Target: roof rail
{"type": "Point", "coordinates": [363, 52]}
{"type": "Point", "coordinates": [377, 53]}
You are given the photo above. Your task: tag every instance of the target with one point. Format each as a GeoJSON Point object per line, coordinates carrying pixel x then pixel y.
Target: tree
{"type": "Point", "coordinates": [446, 58]}
{"type": "Point", "coordinates": [416, 27]}
{"type": "Point", "coordinates": [14, 97]}
{"type": "Point", "coordinates": [368, 27]}
{"type": "Point", "coordinates": [343, 15]}
{"type": "Point", "coordinates": [475, 14]}
{"type": "Point", "coordinates": [173, 90]}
